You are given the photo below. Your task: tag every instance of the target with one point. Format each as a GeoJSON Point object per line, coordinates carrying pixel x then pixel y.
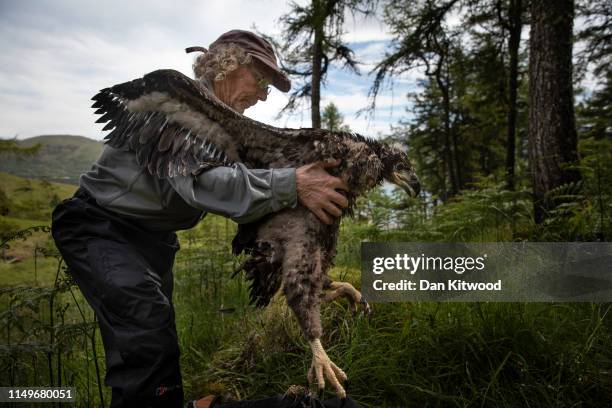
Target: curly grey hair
{"type": "Point", "coordinates": [218, 61]}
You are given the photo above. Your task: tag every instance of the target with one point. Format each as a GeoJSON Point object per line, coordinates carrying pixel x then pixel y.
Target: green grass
{"type": "Point", "coordinates": [30, 204]}
{"type": "Point", "coordinates": [30, 188]}
{"type": "Point", "coordinates": [32, 199]}
{"type": "Point", "coordinates": [403, 355]}
{"type": "Point", "coordinates": [416, 354]}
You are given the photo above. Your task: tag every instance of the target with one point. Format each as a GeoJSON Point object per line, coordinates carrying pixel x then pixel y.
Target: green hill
{"type": "Point", "coordinates": [25, 203]}
{"type": "Point", "coordinates": [22, 198]}
{"type": "Point", "coordinates": [61, 158]}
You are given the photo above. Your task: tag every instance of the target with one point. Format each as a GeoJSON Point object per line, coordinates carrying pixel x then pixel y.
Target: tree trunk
{"type": "Point", "coordinates": [552, 130]}
{"type": "Point", "coordinates": [317, 58]}
{"type": "Point", "coordinates": [516, 25]}
{"type": "Point", "coordinates": [448, 150]}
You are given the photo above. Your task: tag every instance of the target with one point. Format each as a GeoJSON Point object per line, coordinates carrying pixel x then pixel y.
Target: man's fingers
{"type": "Point", "coordinates": [323, 216]}
{"type": "Point", "coordinates": [339, 199]}
{"type": "Point", "coordinates": [337, 183]}
{"type": "Point", "coordinates": [319, 191]}
{"type": "Point", "coordinates": [331, 209]}
{"type": "Point", "coordinates": [330, 163]}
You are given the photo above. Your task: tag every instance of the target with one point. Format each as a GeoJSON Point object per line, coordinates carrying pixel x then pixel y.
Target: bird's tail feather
{"type": "Point", "coordinates": [263, 270]}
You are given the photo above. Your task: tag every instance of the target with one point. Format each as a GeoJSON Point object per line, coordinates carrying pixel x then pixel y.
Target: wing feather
{"type": "Point", "coordinates": [188, 128]}
{"type": "Point", "coordinates": [165, 141]}
{"type": "Point", "coordinates": [161, 144]}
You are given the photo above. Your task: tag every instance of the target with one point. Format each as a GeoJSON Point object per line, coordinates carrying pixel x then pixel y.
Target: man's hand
{"type": "Point", "coordinates": [316, 190]}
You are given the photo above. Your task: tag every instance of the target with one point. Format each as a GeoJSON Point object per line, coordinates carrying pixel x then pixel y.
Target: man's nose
{"type": "Point", "coordinates": [262, 95]}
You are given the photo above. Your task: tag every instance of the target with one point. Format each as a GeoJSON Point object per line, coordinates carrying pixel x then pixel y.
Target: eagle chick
{"type": "Point", "coordinates": [175, 126]}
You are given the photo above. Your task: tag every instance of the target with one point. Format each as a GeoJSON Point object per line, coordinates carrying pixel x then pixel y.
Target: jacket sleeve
{"type": "Point", "coordinates": [242, 194]}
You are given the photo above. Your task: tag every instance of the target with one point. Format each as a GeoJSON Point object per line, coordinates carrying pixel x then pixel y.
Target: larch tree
{"type": "Point", "coordinates": [552, 130]}
{"type": "Point", "coordinates": [421, 39]}
{"type": "Point", "coordinates": [596, 35]}
{"type": "Point", "coordinates": [332, 119]}
{"type": "Point", "coordinates": [310, 42]}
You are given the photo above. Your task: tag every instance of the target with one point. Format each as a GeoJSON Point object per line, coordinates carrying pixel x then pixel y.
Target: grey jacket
{"type": "Point", "coordinates": [119, 184]}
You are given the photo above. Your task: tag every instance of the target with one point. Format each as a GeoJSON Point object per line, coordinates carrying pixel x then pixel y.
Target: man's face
{"type": "Point", "coordinates": [242, 88]}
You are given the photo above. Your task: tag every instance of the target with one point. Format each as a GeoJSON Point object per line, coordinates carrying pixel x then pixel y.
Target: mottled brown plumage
{"type": "Point", "coordinates": [175, 126]}
{"type": "Point", "coordinates": [292, 247]}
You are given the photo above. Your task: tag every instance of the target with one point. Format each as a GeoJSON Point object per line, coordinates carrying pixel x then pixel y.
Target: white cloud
{"type": "Point", "coordinates": [390, 109]}
{"type": "Point", "coordinates": [373, 52]}
{"type": "Point", "coordinates": [56, 54]}
{"type": "Point", "coordinates": [363, 29]}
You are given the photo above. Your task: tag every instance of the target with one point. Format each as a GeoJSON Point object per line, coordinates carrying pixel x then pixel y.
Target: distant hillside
{"type": "Point", "coordinates": [30, 199]}
{"type": "Point", "coordinates": [61, 158]}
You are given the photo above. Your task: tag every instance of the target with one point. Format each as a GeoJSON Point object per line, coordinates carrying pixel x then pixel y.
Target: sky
{"type": "Point", "coordinates": [56, 54]}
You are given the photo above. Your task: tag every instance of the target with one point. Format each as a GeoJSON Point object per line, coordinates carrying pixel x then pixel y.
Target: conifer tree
{"type": "Point", "coordinates": [311, 41]}
{"type": "Point", "coordinates": [552, 129]}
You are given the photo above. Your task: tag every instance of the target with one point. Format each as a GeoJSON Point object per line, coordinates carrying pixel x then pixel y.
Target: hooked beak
{"type": "Point", "coordinates": [408, 181]}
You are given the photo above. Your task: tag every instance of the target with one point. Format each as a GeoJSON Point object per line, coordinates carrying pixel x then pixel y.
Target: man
{"type": "Point", "coordinates": [117, 234]}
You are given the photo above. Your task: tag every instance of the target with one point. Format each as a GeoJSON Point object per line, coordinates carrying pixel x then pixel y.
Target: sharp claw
{"type": "Point", "coordinates": [367, 310]}
{"type": "Point", "coordinates": [324, 369]}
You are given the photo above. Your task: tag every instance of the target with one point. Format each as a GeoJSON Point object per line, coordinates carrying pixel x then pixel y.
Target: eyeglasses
{"type": "Point", "coordinates": [262, 82]}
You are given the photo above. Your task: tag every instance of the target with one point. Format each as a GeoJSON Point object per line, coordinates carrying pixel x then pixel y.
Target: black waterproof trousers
{"type": "Point", "coordinates": [125, 273]}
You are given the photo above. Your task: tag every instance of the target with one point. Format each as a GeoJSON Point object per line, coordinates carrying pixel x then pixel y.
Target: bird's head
{"type": "Point", "coordinates": [398, 170]}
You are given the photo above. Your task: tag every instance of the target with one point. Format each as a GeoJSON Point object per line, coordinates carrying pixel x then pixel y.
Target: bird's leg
{"type": "Point", "coordinates": [322, 367]}
{"type": "Point", "coordinates": [303, 280]}
{"type": "Point", "coordinates": [348, 291]}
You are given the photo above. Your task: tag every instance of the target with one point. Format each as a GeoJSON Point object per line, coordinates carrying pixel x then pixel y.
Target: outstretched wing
{"type": "Point", "coordinates": [176, 126]}
{"type": "Point", "coordinates": [145, 114]}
